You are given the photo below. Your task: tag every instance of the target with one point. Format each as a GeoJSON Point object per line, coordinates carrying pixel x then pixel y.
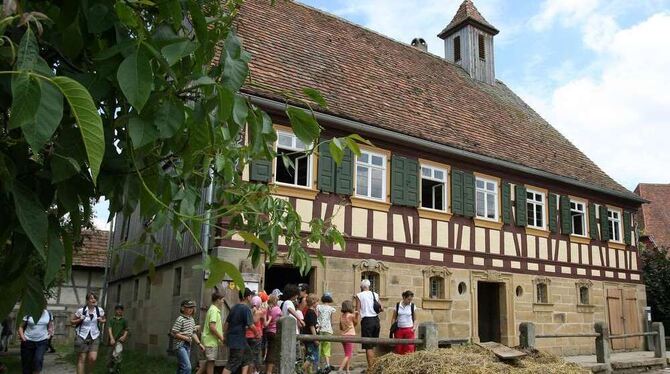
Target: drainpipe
{"type": "Point", "coordinates": [110, 241]}
{"type": "Point", "coordinates": [206, 234]}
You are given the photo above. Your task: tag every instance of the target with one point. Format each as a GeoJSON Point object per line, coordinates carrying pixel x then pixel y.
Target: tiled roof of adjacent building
{"type": "Point", "coordinates": [654, 217]}
{"type": "Point", "coordinates": [375, 80]}
{"type": "Point", "coordinates": [467, 12]}
{"type": "Point", "coordinates": [93, 252]}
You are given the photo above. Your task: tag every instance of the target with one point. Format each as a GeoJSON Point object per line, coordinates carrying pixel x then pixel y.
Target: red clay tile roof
{"type": "Point", "coordinates": [372, 79]}
{"type": "Point", "coordinates": [467, 12]}
{"type": "Point", "coordinates": [93, 252]}
{"type": "Point", "coordinates": [654, 218]}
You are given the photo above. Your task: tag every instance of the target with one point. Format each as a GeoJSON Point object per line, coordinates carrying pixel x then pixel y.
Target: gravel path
{"type": "Point", "coordinates": [54, 364]}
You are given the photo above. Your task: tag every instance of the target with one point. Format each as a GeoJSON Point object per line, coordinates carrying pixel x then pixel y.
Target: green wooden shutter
{"type": "Point", "coordinates": [566, 220]}
{"type": "Point", "coordinates": [326, 170]}
{"type": "Point", "coordinates": [506, 203]}
{"type": "Point", "coordinates": [468, 195]}
{"type": "Point", "coordinates": [593, 226]}
{"type": "Point", "coordinates": [412, 182]}
{"type": "Point", "coordinates": [627, 228]}
{"type": "Point", "coordinates": [553, 226]}
{"type": "Point", "coordinates": [344, 174]}
{"type": "Point", "coordinates": [605, 234]}
{"type": "Point", "coordinates": [520, 204]}
{"type": "Point", "coordinates": [398, 172]}
{"type": "Point", "coordinates": [457, 192]}
{"type": "Point", "coordinates": [261, 170]}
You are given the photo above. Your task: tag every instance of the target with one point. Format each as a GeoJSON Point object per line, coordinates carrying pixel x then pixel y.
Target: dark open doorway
{"type": "Point", "coordinates": [278, 276]}
{"type": "Point", "coordinates": [488, 308]}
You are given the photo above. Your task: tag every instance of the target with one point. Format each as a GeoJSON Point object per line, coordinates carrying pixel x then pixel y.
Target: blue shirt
{"type": "Point", "coordinates": [238, 320]}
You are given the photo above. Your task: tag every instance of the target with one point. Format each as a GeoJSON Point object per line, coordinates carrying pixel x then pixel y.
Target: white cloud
{"type": "Point", "coordinates": [620, 117]}
{"type": "Point", "coordinates": [101, 213]}
{"type": "Point", "coordinates": [567, 12]}
{"type": "Point", "coordinates": [598, 31]}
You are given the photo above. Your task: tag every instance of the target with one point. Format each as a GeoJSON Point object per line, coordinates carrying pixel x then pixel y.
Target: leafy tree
{"type": "Point", "coordinates": [656, 273]}
{"type": "Point", "coordinates": [136, 101]}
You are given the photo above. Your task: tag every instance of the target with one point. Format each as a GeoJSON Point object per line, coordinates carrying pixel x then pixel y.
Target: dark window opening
{"type": "Point", "coordinates": [436, 287]}
{"type": "Point", "coordinates": [278, 276]}
{"type": "Point", "coordinates": [136, 289]}
{"type": "Point", "coordinates": [584, 295]}
{"type": "Point", "coordinates": [176, 285]}
{"type": "Point", "coordinates": [118, 293]}
{"type": "Point", "coordinates": [147, 290]}
{"type": "Point", "coordinates": [373, 278]}
{"type": "Point", "coordinates": [297, 173]}
{"type": "Point", "coordinates": [542, 295]}
{"type": "Point", "coordinates": [482, 47]}
{"type": "Point", "coordinates": [457, 48]}
{"type": "Point", "coordinates": [432, 194]}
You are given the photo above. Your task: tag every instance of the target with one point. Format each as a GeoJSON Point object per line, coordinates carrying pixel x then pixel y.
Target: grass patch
{"type": "Point", "coordinates": [12, 363]}
{"type": "Point", "coordinates": [134, 362]}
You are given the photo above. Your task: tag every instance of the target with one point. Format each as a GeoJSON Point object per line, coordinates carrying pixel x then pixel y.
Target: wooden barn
{"type": "Point", "coordinates": [468, 197]}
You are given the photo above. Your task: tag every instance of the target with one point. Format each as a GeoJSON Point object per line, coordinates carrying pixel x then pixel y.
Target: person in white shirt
{"type": "Point", "coordinates": [34, 341]}
{"type": "Point", "coordinates": [404, 316]}
{"type": "Point", "coordinates": [88, 320]}
{"type": "Point", "coordinates": [365, 301]}
{"type": "Point", "coordinates": [288, 308]}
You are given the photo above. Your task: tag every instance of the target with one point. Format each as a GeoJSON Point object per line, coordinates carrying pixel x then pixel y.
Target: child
{"type": "Point", "coordinates": [325, 315]}
{"type": "Point", "coordinates": [184, 333]}
{"type": "Point", "coordinates": [270, 333]}
{"type": "Point", "coordinates": [311, 348]}
{"type": "Point", "coordinates": [255, 334]}
{"type": "Point", "coordinates": [118, 333]}
{"type": "Point", "coordinates": [348, 321]}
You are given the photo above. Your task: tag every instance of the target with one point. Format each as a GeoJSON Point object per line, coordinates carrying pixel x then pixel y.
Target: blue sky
{"type": "Point", "coordinates": [597, 70]}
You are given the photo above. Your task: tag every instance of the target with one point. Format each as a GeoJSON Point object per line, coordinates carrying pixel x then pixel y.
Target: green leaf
{"type": "Point", "coordinates": [33, 300]}
{"type": "Point", "coordinates": [136, 78]}
{"type": "Point", "coordinates": [358, 138]}
{"type": "Point", "coordinates": [63, 168]}
{"type": "Point", "coordinates": [99, 18]}
{"type": "Point", "coordinates": [353, 145]}
{"type": "Point", "coordinates": [47, 119]}
{"type": "Point", "coordinates": [72, 41]}
{"type": "Point", "coordinates": [31, 215]}
{"type": "Point", "coordinates": [240, 110]}
{"type": "Point", "coordinates": [141, 132]}
{"type": "Point", "coordinates": [219, 269]}
{"type": "Point", "coordinates": [171, 9]}
{"type": "Point", "coordinates": [235, 72]}
{"type": "Point", "coordinates": [55, 255]}
{"type": "Point", "coordinates": [176, 51]}
{"type": "Point", "coordinates": [315, 96]}
{"type": "Point", "coordinates": [28, 51]}
{"type": "Point", "coordinates": [336, 151]}
{"type": "Point", "coordinates": [115, 49]}
{"type": "Point", "coordinates": [253, 239]}
{"type": "Point", "coordinates": [88, 120]}
{"type": "Point", "coordinates": [169, 118]}
{"type": "Point", "coordinates": [304, 124]}
{"type": "Point", "coordinates": [25, 100]}
{"type": "Point", "coordinates": [126, 14]}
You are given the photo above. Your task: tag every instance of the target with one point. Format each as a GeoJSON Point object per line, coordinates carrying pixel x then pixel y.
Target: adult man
{"type": "Point", "coordinates": [365, 301]}
{"type": "Point", "coordinates": [238, 321]}
{"type": "Point", "coordinates": [212, 334]}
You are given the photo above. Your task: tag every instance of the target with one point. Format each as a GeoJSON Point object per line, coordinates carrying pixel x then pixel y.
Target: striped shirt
{"type": "Point", "coordinates": [183, 325]}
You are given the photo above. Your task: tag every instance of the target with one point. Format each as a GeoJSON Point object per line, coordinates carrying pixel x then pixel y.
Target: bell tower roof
{"type": "Point", "coordinates": [467, 14]}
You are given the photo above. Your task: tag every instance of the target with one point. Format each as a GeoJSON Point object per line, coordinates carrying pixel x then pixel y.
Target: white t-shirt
{"type": "Point", "coordinates": [325, 313]}
{"type": "Point", "coordinates": [36, 332]}
{"type": "Point", "coordinates": [285, 306]}
{"type": "Point", "coordinates": [405, 315]}
{"type": "Point", "coordinates": [89, 325]}
{"type": "Point", "coordinates": [366, 299]}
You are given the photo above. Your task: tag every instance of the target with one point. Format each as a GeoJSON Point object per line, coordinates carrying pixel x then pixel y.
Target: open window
{"type": "Point", "coordinates": [298, 171]}
{"type": "Point", "coordinates": [578, 216]}
{"type": "Point", "coordinates": [433, 188]}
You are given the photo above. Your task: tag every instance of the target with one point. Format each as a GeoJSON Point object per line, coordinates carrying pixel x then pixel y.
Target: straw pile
{"type": "Point", "coordinates": [471, 359]}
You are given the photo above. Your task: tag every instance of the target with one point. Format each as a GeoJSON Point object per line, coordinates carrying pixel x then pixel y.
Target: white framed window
{"type": "Point", "coordinates": [614, 224]}
{"type": "Point", "coordinates": [487, 198]}
{"type": "Point", "coordinates": [371, 175]}
{"type": "Point", "coordinates": [433, 188]}
{"type": "Point", "coordinates": [535, 209]}
{"type": "Point", "coordinates": [578, 216]}
{"type": "Point", "coordinates": [300, 173]}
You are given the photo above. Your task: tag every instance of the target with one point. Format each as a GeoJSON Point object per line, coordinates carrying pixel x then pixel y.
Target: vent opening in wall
{"type": "Point", "coordinates": [482, 47]}
{"type": "Point", "coordinates": [519, 291]}
{"type": "Point", "coordinates": [462, 288]}
{"type": "Point", "coordinates": [457, 49]}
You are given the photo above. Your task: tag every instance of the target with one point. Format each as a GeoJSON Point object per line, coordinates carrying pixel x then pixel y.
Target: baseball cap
{"type": "Point", "coordinates": [118, 306]}
{"type": "Point", "coordinates": [276, 292]}
{"type": "Point", "coordinates": [188, 304]}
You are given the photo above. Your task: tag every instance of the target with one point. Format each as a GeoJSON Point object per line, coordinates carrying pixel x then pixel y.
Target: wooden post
{"type": "Point", "coordinates": [659, 346]}
{"type": "Point", "coordinates": [286, 337]}
{"type": "Point", "coordinates": [602, 343]}
{"type": "Point", "coordinates": [527, 334]}
{"type": "Point", "coordinates": [428, 333]}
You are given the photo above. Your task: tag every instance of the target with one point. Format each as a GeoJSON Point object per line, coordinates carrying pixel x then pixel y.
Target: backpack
{"type": "Point", "coordinates": [394, 326]}
{"type": "Point", "coordinates": [83, 313]}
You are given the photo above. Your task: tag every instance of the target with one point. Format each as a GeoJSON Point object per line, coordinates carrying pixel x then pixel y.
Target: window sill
{"type": "Point", "coordinates": [616, 245]}
{"type": "Point", "coordinates": [362, 202]}
{"type": "Point", "coordinates": [434, 214]}
{"type": "Point", "coordinates": [585, 308]}
{"type": "Point", "coordinates": [580, 239]}
{"type": "Point", "coordinates": [543, 307]}
{"type": "Point", "coordinates": [489, 224]}
{"type": "Point", "coordinates": [436, 304]}
{"type": "Point", "coordinates": [537, 232]}
{"type": "Point", "coordinates": [294, 191]}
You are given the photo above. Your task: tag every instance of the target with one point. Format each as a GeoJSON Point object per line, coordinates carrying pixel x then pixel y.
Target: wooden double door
{"type": "Point", "coordinates": [623, 318]}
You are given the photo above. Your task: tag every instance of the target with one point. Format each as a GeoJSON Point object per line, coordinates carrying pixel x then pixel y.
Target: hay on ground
{"type": "Point", "coordinates": [471, 359]}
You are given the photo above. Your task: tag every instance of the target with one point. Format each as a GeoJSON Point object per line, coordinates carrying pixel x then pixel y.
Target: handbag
{"type": "Point", "coordinates": [376, 305]}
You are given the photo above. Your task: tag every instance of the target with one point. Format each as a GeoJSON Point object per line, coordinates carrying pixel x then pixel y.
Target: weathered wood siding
{"type": "Point", "coordinates": [481, 70]}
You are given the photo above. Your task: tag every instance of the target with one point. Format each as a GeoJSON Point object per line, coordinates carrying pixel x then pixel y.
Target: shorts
{"type": "Point", "coordinates": [255, 351]}
{"type": "Point", "coordinates": [82, 345]}
{"type": "Point", "coordinates": [311, 352]}
{"type": "Point", "coordinates": [324, 347]}
{"type": "Point", "coordinates": [369, 329]}
{"type": "Point", "coordinates": [211, 353]}
{"type": "Point", "coordinates": [237, 359]}
{"type": "Point", "coordinates": [272, 356]}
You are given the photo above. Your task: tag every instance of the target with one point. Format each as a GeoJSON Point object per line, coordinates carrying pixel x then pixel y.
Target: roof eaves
{"type": "Point", "coordinates": [468, 21]}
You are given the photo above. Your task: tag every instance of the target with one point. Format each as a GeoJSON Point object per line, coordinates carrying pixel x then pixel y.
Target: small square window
{"type": "Point", "coordinates": [584, 295]}
{"type": "Point", "coordinates": [436, 287]}
{"type": "Point", "coordinates": [176, 282]}
{"type": "Point", "coordinates": [373, 277]}
{"type": "Point", "coordinates": [542, 293]}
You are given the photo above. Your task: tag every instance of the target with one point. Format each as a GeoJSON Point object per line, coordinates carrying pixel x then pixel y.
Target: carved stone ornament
{"type": "Point", "coordinates": [440, 271]}
{"type": "Point", "coordinates": [584, 283]}
{"type": "Point", "coordinates": [544, 280]}
{"type": "Point", "coordinates": [371, 265]}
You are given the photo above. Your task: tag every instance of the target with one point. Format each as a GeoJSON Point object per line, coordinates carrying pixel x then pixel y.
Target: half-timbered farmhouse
{"type": "Point", "coordinates": [468, 197]}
